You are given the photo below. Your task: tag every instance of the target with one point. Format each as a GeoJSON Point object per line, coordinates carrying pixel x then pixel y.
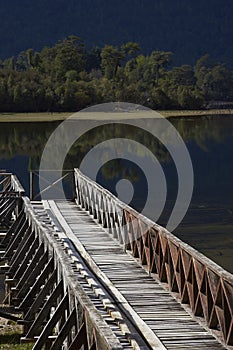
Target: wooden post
{"type": "Point", "coordinates": [31, 185]}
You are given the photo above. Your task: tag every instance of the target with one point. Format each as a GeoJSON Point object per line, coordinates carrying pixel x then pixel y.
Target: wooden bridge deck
{"type": "Point", "coordinates": [145, 303]}
{"type": "Point", "coordinates": [94, 274]}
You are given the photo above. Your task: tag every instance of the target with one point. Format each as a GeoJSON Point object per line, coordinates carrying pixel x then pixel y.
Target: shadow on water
{"type": "Point", "coordinates": [208, 224]}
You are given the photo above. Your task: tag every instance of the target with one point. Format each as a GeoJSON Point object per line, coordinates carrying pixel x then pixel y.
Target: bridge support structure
{"type": "Point", "coordinates": [42, 285]}
{"type": "Point", "coordinates": [45, 280]}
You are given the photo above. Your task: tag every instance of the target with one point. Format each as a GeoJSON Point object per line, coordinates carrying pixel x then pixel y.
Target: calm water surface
{"type": "Point", "coordinates": [208, 224]}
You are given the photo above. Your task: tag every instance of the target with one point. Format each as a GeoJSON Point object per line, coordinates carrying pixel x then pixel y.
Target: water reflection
{"type": "Point", "coordinates": [208, 224]}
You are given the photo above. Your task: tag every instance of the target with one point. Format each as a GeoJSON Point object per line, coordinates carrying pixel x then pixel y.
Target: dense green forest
{"type": "Point", "coordinates": [69, 77]}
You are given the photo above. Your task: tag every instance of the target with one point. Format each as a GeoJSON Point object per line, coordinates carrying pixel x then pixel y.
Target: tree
{"type": "Point", "coordinates": [4, 96]}
{"type": "Point", "coordinates": [201, 68]}
{"type": "Point", "coordinates": [158, 99]}
{"type": "Point", "coordinates": [189, 97]}
{"type": "Point", "coordinates": [29, 55]}
{"type": "Point", "coordinates": [70, 55]}
{"type": "Point", "coordinates": [111, 59]}
{"type": "Point", "coordinates": [158, 60]}
{"type": "Point", "coordinates": [131, 50]}
{"type": "Point", "coordinates": [183, 75]}
{"type": "Point", "coordinates": [93, 59]}
{"type": "Point", "coordinates": [218, 84]}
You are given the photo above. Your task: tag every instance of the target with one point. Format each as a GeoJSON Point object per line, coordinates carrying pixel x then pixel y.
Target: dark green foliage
{"type": "Point", "coordinates": [68, 77]}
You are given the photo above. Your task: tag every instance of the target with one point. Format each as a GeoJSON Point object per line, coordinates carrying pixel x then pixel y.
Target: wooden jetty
{"type": "Point", "coordinates": [94, 274]}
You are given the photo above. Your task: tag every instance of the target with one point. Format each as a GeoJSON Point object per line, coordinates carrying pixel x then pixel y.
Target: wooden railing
{"type": "Point", "coordinates": [41, 282]}
{"type": "Point", "coordinates": [10, 192]}
{"type": "Point", "coordinates": [9, 184]}
{"type": "Point", "coordinates": [195, 279]}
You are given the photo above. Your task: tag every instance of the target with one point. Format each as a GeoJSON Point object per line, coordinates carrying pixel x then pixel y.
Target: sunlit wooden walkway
{"type": "Point", "coordinates": [163, 321]}
{"type": "Point", "coordinates": [94, 274]}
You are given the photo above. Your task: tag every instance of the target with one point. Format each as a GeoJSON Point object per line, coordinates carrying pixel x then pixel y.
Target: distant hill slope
{"type": "Point", "coordinates": [188, 28]}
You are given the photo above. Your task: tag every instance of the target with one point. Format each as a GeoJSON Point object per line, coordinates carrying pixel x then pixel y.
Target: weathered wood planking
{"type": "Point", "coordinates": [76, 286]}
{"type": "Point", "coordinates": [174, 326]}
{"type": "Point", "coordinates": [196, 280]}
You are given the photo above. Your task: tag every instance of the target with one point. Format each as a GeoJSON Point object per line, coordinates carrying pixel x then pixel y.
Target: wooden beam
{"type": "Point", "coordinates": [64, 332]}
{"type": "Point", "coordinates": [49, 267]}
{"type": "Point", "coordinates": [63, 305]}
{"type": "Point", "coordinates": [44, 312]}
{"type": "Point", "coordinates": [40, 299]}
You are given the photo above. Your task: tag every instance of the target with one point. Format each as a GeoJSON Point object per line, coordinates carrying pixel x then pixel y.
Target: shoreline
{"type": "Point", "coordinates": [196, 113]}
{"type": "Point", "coordinates": [58, 116]}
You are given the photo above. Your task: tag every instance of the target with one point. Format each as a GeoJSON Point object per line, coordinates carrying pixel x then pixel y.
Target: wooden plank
{"type": "Point", "coordinates": [151, 337]}
{"type": "Point", "coordinates": [122, 276]}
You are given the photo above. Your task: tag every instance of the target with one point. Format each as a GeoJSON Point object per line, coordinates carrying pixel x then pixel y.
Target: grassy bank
{"type": "Point", "coordinates": [32, 117]}
{"type": "Point", "coordinates": [10, 335]}
{"type": "Point", "coordinates": [48, 117]}
{"type": "Point", "coordinates": [196, 113]}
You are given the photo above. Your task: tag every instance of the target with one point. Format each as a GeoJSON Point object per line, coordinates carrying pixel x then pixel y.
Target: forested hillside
{"type": "Point", "coordinates": [69, 77]}
{"type": "Point", "coordinates": [186, 27]}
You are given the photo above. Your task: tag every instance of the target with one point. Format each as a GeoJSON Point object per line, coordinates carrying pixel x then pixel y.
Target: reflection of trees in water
{"type": "Point", "coordinates": [203, 129]}
{"type": "Point", "coordinates": [119, 168]}
{"type": "Point", "coordinates": [108, 132]}
{"type": "Point", "coordinates": [26, 139]}
{"type": "Point", "coordinates": [30, 138]}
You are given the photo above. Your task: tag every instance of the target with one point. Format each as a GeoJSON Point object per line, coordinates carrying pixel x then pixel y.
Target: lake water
{"type": "Point", "coordinates": [208, 224]}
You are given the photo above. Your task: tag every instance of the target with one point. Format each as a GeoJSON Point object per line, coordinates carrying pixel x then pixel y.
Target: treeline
{"type": "Point", "coordinates": [68, 77]}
